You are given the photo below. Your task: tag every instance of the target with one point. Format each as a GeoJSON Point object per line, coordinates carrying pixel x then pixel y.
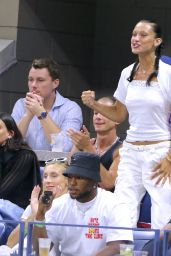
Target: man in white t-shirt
{"type": "Point", "coordinates": [85, 204]}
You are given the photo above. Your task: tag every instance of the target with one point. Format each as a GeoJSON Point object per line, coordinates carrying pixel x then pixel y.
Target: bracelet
{"type": "Point", "coordinates": [25, 231]}
{"type": "Point", "coordinates": [168, 158]}
{"type": "Point", "coordinates": [41, 225]}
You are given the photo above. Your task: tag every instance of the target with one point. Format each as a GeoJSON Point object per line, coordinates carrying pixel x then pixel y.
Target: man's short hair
{"type": "Point", "coordinates": [110, 99]}
{"type": "Point", "coordinates": [51, 65]}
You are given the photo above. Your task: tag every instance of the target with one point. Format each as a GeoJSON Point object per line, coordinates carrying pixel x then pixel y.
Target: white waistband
{"type": "Point", "coordinates": [149, 146]}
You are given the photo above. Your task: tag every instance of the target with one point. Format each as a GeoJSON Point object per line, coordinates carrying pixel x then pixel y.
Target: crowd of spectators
{"type": "Point", "coordinates": [104, 179]}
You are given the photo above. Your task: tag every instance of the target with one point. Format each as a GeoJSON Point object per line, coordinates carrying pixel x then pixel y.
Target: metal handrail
{"type": "Point", "coordinates": [154, 233]}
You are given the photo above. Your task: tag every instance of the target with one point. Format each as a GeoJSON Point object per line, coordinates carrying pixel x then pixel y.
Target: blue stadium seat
{"type": "Point", "coordinates": [2, 229]}
{"type": "Point", "coordinates": [145, 212]}
{"type": "Point", "coordinates": [166, 59]}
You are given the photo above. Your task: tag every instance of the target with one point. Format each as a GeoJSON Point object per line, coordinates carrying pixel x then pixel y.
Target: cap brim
{"type": "Point", "coordinates": [82, 172]}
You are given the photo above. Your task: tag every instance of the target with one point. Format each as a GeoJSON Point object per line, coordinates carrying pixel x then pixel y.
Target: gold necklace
{"type": "Point", "coordinates": [84, 207]}
{"type": "Point", "coordinates": [141, 70]}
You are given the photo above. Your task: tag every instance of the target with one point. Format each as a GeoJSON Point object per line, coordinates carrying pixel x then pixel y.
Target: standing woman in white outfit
{"type": "Point", "coordinates": [143, 93]}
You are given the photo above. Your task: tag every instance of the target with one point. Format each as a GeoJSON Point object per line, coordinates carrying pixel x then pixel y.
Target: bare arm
{"type": "Point", "coordinates": [109, 176]}
{"type": "Point", "coordinates": [81, 141]}
{"type": "Point", "coordinates": [110, 249]}
{"type": "Point", "coordinates": [13, 238]}
{"type": "Point", "coordinates": [116, 113]}
{"type": "Point", "coordinates": [40, 230]}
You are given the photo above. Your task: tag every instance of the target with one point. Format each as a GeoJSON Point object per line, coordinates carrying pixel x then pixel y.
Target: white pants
{"type": "Point", "coordinates": [134, 178]}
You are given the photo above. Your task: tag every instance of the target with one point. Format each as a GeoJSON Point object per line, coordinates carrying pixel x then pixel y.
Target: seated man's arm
{"type": "Point", "coordinates": [23, 124]}
{"type": "Point", "coordinates": [108, 177]}
{"type": "Point", "coordinates": [111, 248]}
{"type": "Point", "coordinates": [81, 141]}
{"type": "Point", "coordinates": [73, 119]}
{"type": "Point", "coordinates": [68, 116]}
{"type": "Point", "coordinates": [25, 109]}
{"type": "Point", "coordinates": [22, 116]}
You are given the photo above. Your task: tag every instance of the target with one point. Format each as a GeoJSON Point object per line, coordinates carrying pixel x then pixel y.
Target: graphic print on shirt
{"type": "Point", "coordinates": [94, 232]}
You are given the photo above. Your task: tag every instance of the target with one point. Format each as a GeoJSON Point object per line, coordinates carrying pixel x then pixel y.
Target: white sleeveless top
{"type": "Point", "coordinates": [148, 111]}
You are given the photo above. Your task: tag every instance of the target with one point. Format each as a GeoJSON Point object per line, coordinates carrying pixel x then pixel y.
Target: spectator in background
{"type": "Point", "coordinates": [53, 180]}
{"type": "Point", "coordinates": [106, 144]}
{"type": "Point", "coordinates": [84, 205]}
{"type": "Point", "coordinates": [19, 170]}
{"type": "Point", "coordinates": [44, 111]}
{"type": "Point", "coordinates": [145, 159]}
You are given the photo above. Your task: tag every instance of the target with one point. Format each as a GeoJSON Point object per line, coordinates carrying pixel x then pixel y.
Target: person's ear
{"type": "Point", "coordinates": [55, 83]}
{"type": "Point", "coordinates": [158, 41]}
{"type": "Point", "coordinates": [10, 134]}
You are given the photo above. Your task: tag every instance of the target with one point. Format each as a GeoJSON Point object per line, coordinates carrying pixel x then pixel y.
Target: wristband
{"type": "Point", "coordinates": [168, 158]}
{"type": "Point", "coordinates": [25, 231]}
{"type": "Point", "coordinates": [41, 225]}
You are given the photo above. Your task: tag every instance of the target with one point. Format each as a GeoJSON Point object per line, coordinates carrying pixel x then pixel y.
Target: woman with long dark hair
{"type": "Point", "coordinates": [143, 93]}
{"type": "Point", "coordinates": [19, 170]}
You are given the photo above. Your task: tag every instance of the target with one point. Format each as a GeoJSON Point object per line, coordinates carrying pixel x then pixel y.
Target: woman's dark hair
{"type": "Point", "coordinates": [157, 30]}
{"type": "Point", "coordinates": [17, 141]}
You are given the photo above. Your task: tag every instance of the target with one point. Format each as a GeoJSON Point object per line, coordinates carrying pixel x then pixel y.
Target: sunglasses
{"type": "Point", "coordinates": [57, 160]}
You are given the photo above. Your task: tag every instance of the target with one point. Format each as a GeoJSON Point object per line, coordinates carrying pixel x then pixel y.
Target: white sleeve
{"type": "Point", "coordinates": [18, 110]}
{"type": "Point", "coordinates": [27, 212]}
{"type": "Point", "coordinates": [121, 91]}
